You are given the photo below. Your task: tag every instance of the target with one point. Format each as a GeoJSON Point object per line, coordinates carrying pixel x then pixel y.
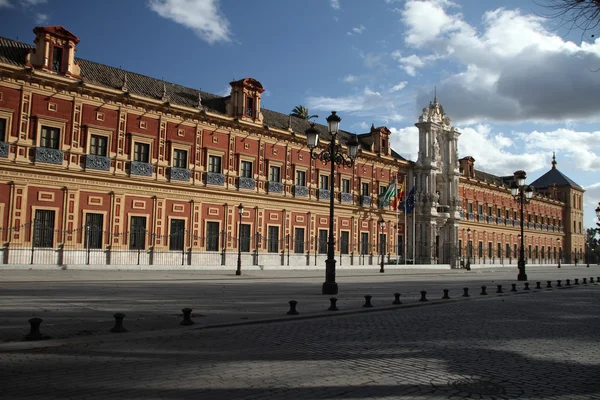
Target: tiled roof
{"type": "Point", "coordinates": [14, 53]}
{"type": "Point", "coordinates": [498, 180]}
{"type": "Point", "coordinates": [554, 177]}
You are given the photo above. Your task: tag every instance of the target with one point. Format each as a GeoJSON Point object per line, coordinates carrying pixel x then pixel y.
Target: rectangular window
{"type": "Point", "coordinates": [480, 249]}
{"type": "Point", "coordinates": [499, 251]}
{"type": "Point", "coordinates": [274, 174]}
{"type": "Point", "coordinates": [515, 251]}
{"type": "Point", "coordinates": [480, 209]}
{"type": "Point", "coordinates": [507, 213]}
{"type": "Point", "coordinates": [50, 137]}
{"type": "Point", "coordinates": [364, 189]}
{"type": "Point", "coordinates": [300, 178]}
{"type": "Point", "coordinates": [345, 242]}
{"type": "Point", "coordinates": [499, 213]}
{"type": "Point", "coordinates": [245, 237]}
{"type": "Point", "coordinates": [490, 211]}
{"type": "Point", "coordinates": [214, 164]}
{"type": "Point", "coordinates": [322, 241]}
{"type": "Point", "coordinates": [400, 245]}
{"type": "Point", "coordinates": [382, 243]}
{"type": "Point", "coordinates": [98, 145]}
{"type": "Point", "coordinates": [529, 253]}
{"type": "Point", "coordinates": [345, 185]}
{"type": "Point", "coordinates": [3, 133]}
{"type": "Point", "coordinates": [382, 189]}
{"type": "Point", "coordinates": [460, 248]}
{"type": "Point", "coordinates": [299, 240]}
{"type": "Point", "coordinates": [470, 249]}
{"type": "Point", "coordinates": [141, 152]}
{"type": "Point", "coordinates": [507, 255]}
{"type": "Point", "coordinates": [246, 171]}
{"type": "Point", "coordinates": [364, 243]}
{"type": "Point", "coordinates": [490, 250]}
{"type": "Point", "coordinates": [177, 234]}
{"type": "Point", "coordinates": [57, 59]}
{"type": "Point", "coordinates": [137, 233]}
{"type": "Point", "coordinates": [249, 106]}
{"type": "Point", "coordinates": [93, 231]}
{"type": "Point", "coordinates": [470, 208]}
{"type": "Point", "coordinates": [180, 158]}
{"type": "Point", "coordinates": [324, 182]}
{"type": "Point", "coordinates": [43, 228]}
{"type": "Point", "coordinates": [212, 236]}
{"type": "Point", "coordinates": [273, 239]}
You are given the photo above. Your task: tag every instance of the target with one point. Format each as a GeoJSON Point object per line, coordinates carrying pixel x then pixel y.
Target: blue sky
{"type": "Point", "coordinates": [515, 85]}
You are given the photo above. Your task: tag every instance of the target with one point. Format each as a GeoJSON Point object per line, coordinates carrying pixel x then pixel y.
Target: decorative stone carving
{"type": "Point", "coordinates": [97, 162]}
{"type": "Point", "coordinates": [214, 178]}
{"type": "Point", "coordinates": [246, 183]}
{"type": "Point", "coordinates": [140, 168]}
{"type": "Point", "coordinates": [365, 201]}
{"type": "Point", "coordinates": [300, 191]}
{"type": "Point", "coordinates": [4, 147]}
{"type": "Point", "coordinates": [346, 197]}
{"type": "Point", "coordinates": [275, 187]}
{"type": "Point", "coordinates": [50, 156]}
{"type": "Point", "coordinates": [179, 174]}
{"type": "Point", "coordinates": [324, 194]}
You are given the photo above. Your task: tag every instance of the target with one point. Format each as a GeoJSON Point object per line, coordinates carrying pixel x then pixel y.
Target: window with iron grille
{"type": "Point", "coordinates": [300, 178]}
{"type": "Point", "coordinates": [214, 164]}
{"type": "Point", "coordinates": [345, 242]}
{"type": "Point", "coordinates": [529, 256]}
{"type": "Point", "coordinates": [50, 137]}
{"type": "Point", "coordinates": [364, 243]}
{"type": "Point", "coordinates": [43, 228]}
{"type": "Point", "coordinates": [180, 158]}
{"type": "Point", "coordinates": [345, 185]}
{"type": "Point", "coordinates": [507, 250]}
{"type": "Point", "coordinates": [137, 233]}
{"type": "Point", "coordinates": [299, 240]}
{"type": "Point", "coordinates": [274, 173]}
{"type": "Point", "coordinates": [480, 249]}
{"type": "Point", "coordinates": [324, 182]}
{"type": "Point", "coordinates": [3, 133]}
{"type": "Point", "coordinates": [490, 251]}
{"type": "Point", "coordinates": [273, 239]}
{"type": "Point", "coordinates": [212, 236]}
{"type": "Point", "coordinates": [499, 250]}
{"type": "Point", "coordinates": [365, 189]}
{"type": "Point", "coordinates": [141, 152]}
{"type": "Point", "coordinates": [322, 241]}
{"type": "Point", "coordinates": [93, 231]}
{"type": "Point", "coordinates": [245, 237]}
{"type": "Point", "coordinates": [246, 169]}
{"type": "Point", "coordinates": [177, 234]}
{"type": "Point", "coordinates": [98, 145]}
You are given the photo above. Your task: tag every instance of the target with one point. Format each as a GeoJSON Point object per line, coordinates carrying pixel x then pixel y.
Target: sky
{"type": "Point", "coordinates": [517, 84]}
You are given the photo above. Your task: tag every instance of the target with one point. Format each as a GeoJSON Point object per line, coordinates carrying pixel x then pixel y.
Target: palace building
{"type": "Point", "coordinates": [109, 168]}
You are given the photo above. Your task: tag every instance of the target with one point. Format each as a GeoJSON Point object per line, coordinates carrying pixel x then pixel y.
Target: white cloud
{"type": "Point", "coordinates": [201, 16]}
{"type": "Point", "coordinates": [411, 63]}
{"type": "Point", "coordinates": [335, 4]}
{"type": "Point", "coordinates": [405, 141]}
{"type": "Point", "coordinates": [5, 3]}
{"type": "Point", "coordinates": [371, 60]}
{"type": "Point", "coordinates": [399, 86]}
{"type": "Point", "coordinates": [27, 3]}
{"type": "Point", "coordinates": [357, 30]}
{"type": "Point", "coordinates": [226, 91]}
{"type": "Point", "coordinates": [41, 18]}
{"type": "Point", "coordinates": [350, 78]}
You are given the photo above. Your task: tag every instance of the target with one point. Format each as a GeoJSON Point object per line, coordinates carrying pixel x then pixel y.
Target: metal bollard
{"type": "Point", "coordinates": [538, 285]}
{"type": "Point", "coordinates": [526, 286]}
{"type": "Point", "coordinates": [568, 282]}
{"type": "Point", "coordinates": [118, 328]}
{"type": "Point", "coordinates": [34, 331]}
{"type": "Point", "coordinates": [591, 279]}
{"type": "Point", "coordinates": [333, 306]}
{"type": "Point", "coordinates": [585, 281]}
{"type": "Point", "coordinates": [598, 279]}
{"type": "Point", "coordinates": [559, 283]}
{"type": "Point", "coordinates": [367, 301]}
{"type": "Point", "coordinates": [577, 281]}
{"type": "Point", "coordinates": [445, 296]}
{"type": "Point", "coordinates": [484, 291]}
{"type": "Point", "coordinates": [465, 292]}
{"type": "Point", "coordinates": [549, 284]}
{"type": "Point", "coordinates": [293, 304]}
{"type": "Point", "coordinates": [396, 299]}
{"type": "Point", "coordinates": [423, 296]}
{"type": "Point", "coordinates": [499, 289]}
{"type": "Point", "coordinates": [187, 317]}
{"type": "Point", "coordinates": [514, 287]}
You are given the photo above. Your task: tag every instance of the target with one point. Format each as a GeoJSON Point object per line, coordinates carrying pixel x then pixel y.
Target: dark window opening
{"type": "Point", "coordinates": [322, 241]}
{"type": "Point", "coordinates": [212, 236]}
{"type": "Point", "coordinates": [245, 237]}
{"type": "Point", "coordinates": [141, 152]}
{"type": "Point", "coordinates": [299, 240]}
{"type": "Point", "coordinates": [93, 233]}
{"type": "Point", "coordinates": [43, 228]}
{"type": "Point", "coordinates": [50, 137]}
{"type": "Point", "coordinates": [345, 242]}
{"type": "Point", "coordinates": [137, 233]}
{"type": "Point", "coordinates": [246, 169]}
{"type": "Point", "coordinates": [98, 145]}
{"type": "Point", "coordinates": [57, 59]}
{"type": "Point", "coordinates": [177, 234]}
{"type": "Point", "coordinates": [214, 164]}
{"type": "Point", "coordinates": [274, 174]}
{"type": "Point", "coordinates": [180, 158]}
{"type": "Point", "coordinates": [273, 239]}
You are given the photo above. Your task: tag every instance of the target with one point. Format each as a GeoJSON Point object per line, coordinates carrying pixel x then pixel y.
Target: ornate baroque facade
{"type": "Point", "coordinates": [108, 167]}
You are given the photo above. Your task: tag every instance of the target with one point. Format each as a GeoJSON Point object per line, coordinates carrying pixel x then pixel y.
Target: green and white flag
{"type": "Point", "coordinates": [389, 193]}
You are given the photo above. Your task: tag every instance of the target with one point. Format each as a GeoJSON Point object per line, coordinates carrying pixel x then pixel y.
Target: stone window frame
{"type": "Point", "coordinates": [105, 223]}
{"type": "Point", "coordinates": [326, 176]}
{"type": "Point", "coordinates": [57, 223]}
{"type": "Point", "coordinates": [277, 164]}
{"type": "Point", "coordinates": [93, 130]}
{"type": "Point", "coordinates": [303, 169]}
{"type": "Point", "coordinates": [247, 158]}
{"type": "Point", "coordinates": [349, 179]}
{"type": "Point", "coordinates": [135, 138]}
{"type": "Point", "coordinates": [370, 188]}
{"type": "Point", "coordinates": [60, 124]}
{"type": "Point", "coordinates": [186, 225]}
{"type": "Point", "coordinates": [176, 145]}
{"type": "Point", "coordinates": [147, 242]}
{"type": "Point", "coordinates": [8, 116]}
{"type": "Point", "coordinates": [339, 242]}
{"type": "Point", "coordinates": [216, 153]}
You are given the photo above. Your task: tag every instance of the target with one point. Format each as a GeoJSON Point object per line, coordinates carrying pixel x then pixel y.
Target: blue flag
{"type": "Point", "coordinates": [409, 204]}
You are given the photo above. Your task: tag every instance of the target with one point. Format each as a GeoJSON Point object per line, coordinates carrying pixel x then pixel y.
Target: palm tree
{"type": "Point", "coordinates": [302, 112]}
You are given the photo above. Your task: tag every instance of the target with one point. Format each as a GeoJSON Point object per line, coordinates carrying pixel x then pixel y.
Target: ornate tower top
{"type": "Point", "coordinates": [553, 161]}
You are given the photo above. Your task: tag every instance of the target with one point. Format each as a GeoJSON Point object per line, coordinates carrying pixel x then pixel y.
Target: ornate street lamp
{"type": "Point", "coordinates": [470, 252]}
{"type": "Point", "coordinates": [522, 194]}
{"type": "Point", "coordinates": [238, 271]}
{"type": "Point", "coordinates": [381, 244]}
{"type": "Point", "coordinates": [334, 156]}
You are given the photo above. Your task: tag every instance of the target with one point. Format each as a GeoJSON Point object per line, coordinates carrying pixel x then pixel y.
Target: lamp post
{"type": "Point", "coordinates": [522, 194]}
{"type": "Point", "coordinates": [381, 244]}
{"type": "Point", "coordinates": [470, 252]}
{"type": "Point", "coordinates": [559, 250]}
{"type": "Point", "coordinates": [238, 271]}
{"type": "Point", "coordinates": [334, 156]}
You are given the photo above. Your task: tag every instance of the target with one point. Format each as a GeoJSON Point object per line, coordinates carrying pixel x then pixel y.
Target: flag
{"type": "Point", "coordinates": [387, 195]}
{"type": "Point", "coordinates": [397, 200]}
{"type": "Point", "coordinates": [409, 204]}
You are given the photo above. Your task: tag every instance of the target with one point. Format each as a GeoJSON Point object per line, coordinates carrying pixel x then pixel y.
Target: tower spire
{"type": "Point", "coordinates": [553, 161]}
{"type": "Point", "coordinates": [435, 95]}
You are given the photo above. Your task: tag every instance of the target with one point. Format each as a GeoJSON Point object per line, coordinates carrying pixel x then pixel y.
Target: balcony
{"type": "Point", "coordinates": [215, 178]}
{"type": "Point", "coordinates": [140, 168]}
{"type": "Point", "coordinates": [509, 221]}
{"type": "Point", "coordinates": [481, 218]}
{"type": "Point", "coordinates": [346, 197]}
{"type": "Point", "coordinates": [384, 204]}
{"type": "Point", "coordinates": [499, 220]}
{"type": "Point", "coordinates": [365, 201]}
{"type": "Point", "coordinates": [324, 194]}
{"type": "Point", "coordinates": [100, 163]}
{"type": "Point", "coordinates": [300, 191]}
{"type": "Point", "coordinates": [491, 220]}
{"type": "Point", "coordinates": [461, 214]}
{"type": "Point", "coordinates": [4, 148]}
{"type": "Point", "coordinates": [49, 156]}
{"type": "Point", "coordinates": [179, 174]}
{"type": "Point", "coordinates": [275, 187]}
{"type": "Point", "coordinates": [246, 183]}
{"type": "Point", "coordinates": [470, 216]}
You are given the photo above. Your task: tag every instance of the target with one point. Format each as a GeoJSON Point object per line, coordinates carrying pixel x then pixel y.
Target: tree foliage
{"type": "Point", "coordinates": [583, 15]}
{"type": "Point", "coordinates": [302, 112]}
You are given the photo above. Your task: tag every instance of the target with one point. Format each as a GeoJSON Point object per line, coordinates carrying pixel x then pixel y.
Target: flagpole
{"type": "Point", "coordinates": [405, 228]}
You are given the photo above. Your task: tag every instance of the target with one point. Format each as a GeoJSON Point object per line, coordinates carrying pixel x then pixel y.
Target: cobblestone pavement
{"type": "Point", "coordinates": [541, 344]}
{"type": "Point", "coordinates": [78, 304]}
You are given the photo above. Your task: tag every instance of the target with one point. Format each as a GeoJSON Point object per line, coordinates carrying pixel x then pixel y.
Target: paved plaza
{"type": "Point", "coordinates": [540, 344]}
